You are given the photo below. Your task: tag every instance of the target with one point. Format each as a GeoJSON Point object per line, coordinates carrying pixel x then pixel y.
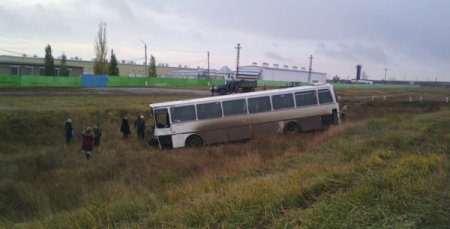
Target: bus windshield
{"type": "Point", "coordinates": [162, 118]}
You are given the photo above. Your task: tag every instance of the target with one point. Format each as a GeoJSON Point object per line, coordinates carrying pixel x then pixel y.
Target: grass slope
{"type": "Point", "coordinates": [391, 171]}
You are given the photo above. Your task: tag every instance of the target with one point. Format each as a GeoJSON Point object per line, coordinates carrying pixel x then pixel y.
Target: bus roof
{"type": "Point", "coordinates": [237, 96]}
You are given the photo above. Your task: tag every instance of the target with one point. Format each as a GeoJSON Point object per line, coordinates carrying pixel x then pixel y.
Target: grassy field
{"type": "Point", "coordinates": [386, 166]}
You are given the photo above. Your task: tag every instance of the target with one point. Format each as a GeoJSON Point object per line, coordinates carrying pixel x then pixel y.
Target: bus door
{"type": "Point", "coordinates": [163, 130]}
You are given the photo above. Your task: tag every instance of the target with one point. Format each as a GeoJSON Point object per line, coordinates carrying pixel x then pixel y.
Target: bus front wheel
{"type": "Point", "coordinates": [291, 128]}
{"type": "Point", "coordinates": [194, 141]}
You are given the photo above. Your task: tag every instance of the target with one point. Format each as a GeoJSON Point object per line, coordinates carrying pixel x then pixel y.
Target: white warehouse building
{"type": "Point", "coordinates": [285, 73]}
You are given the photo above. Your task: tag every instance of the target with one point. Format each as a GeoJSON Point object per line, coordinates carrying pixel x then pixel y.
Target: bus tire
{"type": "Point", "coordinates": [291, 128]}
{"type": "Point", "coordinates": [194, 141]}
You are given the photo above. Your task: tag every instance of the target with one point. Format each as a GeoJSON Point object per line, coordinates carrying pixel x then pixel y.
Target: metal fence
{"type": "Point", "coordinates": [39, 81]}
{"type": "Point", "coordinates": [121, 81]}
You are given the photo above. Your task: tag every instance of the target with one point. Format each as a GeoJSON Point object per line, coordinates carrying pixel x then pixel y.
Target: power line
{"type": "Point", "coordinates": [6, 50]}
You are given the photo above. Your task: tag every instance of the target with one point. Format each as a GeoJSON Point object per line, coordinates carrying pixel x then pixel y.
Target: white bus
{"type": "Point", "coordinates": [205, 121]}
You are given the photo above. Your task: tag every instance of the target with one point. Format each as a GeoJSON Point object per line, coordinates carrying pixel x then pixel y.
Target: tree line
{"type": "Point", "coordinates": [101, 64]}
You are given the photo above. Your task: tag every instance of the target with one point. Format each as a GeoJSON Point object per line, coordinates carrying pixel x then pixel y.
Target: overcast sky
{"type": "Point", "coordinates": [411, 38]}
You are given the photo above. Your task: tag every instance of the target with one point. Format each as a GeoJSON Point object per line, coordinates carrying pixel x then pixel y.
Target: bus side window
{"type": "Point", "coordinates": [234, 107]}
{"type": "Point", "coordinates": [282, 101]}
{"type": "Point", "coordinates": [305, 98]}
{"type": "Point", "coordinates": [259, 104]}
{"type": "Point", "coordinates": [325, 96]}
{"type": "Point", "coordinates": [209, 110]}
{"type": "Point", "coordinates": [183, 113]}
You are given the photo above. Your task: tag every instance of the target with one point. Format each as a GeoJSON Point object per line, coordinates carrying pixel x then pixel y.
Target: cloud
{"type": "Point", "coordinates": [396, 33]}
{"type": "Point", "coordinates": [354, 51]}
{"type": "Point", "coordinates": [274, 56]}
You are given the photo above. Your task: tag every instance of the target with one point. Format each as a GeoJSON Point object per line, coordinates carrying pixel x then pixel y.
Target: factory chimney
{"type": "Point", "coordinates": [358, 71]}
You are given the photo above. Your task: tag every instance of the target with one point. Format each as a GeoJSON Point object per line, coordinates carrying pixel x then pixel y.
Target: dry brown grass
{"type": "Point", "coordinates": [42, 176]}
{"type": "Point", "coordinates": [334, 132]}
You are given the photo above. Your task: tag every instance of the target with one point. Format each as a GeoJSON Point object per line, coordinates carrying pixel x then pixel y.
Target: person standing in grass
{"type": "Point", "coordinates": [97, 134]}
{"type": "Point", "coordinates": [136, 121]}
{"type": "Point", "coordinates": [344, 110]}
{"type": "Point", "coordinates": [69, 131]}
{"type": "Point", "coordinates": [141, 127]}
{"type": "Point", "coordinates": [86, 146]}
{"type": "Point", "coordinates": [125, 128]}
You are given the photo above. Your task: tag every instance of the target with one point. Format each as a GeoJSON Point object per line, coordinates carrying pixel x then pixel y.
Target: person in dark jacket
{"type": "Point", "coordinates": [141, 127]}
{"type": "Point", "coordinates": [136, 121]}
{"type": "Point", "coordinates": [97, 134]}
{"type": "Point", "coordinates": [86, 146]}
{"type": "Point", "coordinates": [69, 131]}
{"type": "Point", "coordinates": [125, 128]}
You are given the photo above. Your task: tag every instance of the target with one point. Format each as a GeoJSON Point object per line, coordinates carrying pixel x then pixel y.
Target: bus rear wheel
{"type": "Point", "coordinates": [194, 141]}
{"type": "Point", "coordinates": [291, 128]}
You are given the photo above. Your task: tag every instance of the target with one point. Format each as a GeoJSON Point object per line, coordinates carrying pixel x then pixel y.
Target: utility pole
{"type": "Point", "coordinates": [385, 73]}
{"type": "Point", "coordinates": [209, 77]}
{"type": "Point", "coordinates": [237, 62]}
{"type": "Point", "coordinates": [145, 62]}
{"type": "Point", "coordinates": [310, 68]}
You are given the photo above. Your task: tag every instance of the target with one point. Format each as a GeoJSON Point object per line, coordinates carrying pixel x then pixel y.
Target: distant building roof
{"type": "Point", "coordinates": [225, 70]}
{"type": "Point", "coordinates": [249, 73]}
{"type": "Point", "coordinates": [266, 66]}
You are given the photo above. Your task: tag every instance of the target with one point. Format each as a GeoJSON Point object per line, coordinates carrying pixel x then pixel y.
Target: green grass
{"type": "Point", "coordinates": [386, 166]}
{"type": "Point", "coordinates": [363, 179]}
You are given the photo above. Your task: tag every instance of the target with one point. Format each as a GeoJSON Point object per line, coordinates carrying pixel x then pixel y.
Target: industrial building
{"type": "Point", "coordinates": [277, 73]}
{"type": "Point", "coordinates": [223, 73]}
{"type": "Point", "coordinates": [33, 66]}
{"type": "Point", "coordinates": [264, 72]}
{"type": "Point", "coordinates": [25, 65]}
{"type": "Point", "coordinates": [16, 65]}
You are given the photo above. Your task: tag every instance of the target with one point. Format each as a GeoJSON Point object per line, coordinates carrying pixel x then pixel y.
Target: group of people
{"type": "Point", "coordinates": [139, 125]}
{"type": "Point", "coordinates": [91, 136]}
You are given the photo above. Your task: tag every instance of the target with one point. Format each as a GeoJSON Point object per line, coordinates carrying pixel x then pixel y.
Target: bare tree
{"type": "Point", "coordinates": [101, 50]}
